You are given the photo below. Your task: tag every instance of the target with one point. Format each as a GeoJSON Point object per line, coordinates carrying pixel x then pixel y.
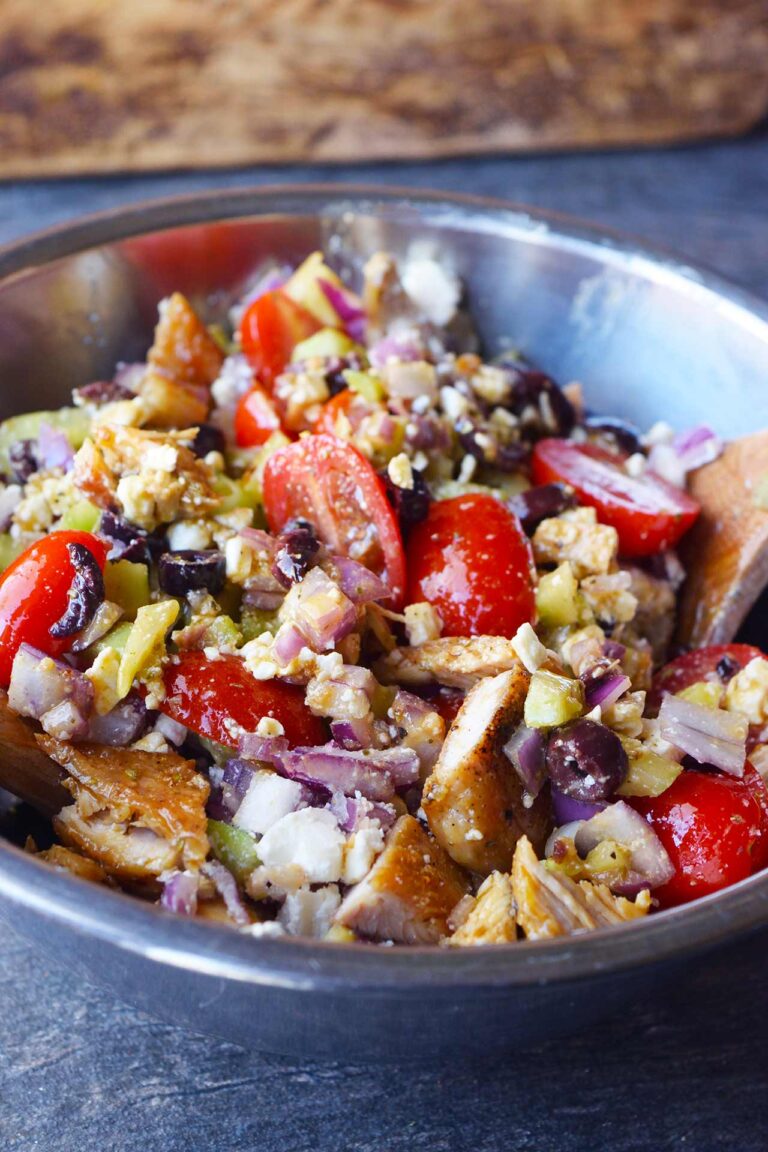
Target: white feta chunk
{"type": "Point", "coordinates": [311, 839]}
{"type": "Point", "coordinates": [269, 799]}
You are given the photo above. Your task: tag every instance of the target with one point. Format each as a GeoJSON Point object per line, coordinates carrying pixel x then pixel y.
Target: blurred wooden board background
{"type": "Point", "coordinates": [108, 85]}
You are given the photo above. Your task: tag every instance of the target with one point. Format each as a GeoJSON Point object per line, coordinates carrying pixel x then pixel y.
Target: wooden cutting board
{"type": "Point", "coordinates": [106, 85]}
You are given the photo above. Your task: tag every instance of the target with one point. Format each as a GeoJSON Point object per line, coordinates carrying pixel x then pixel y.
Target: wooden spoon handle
{"type": "Point", "coordinates": [25, 770]}
{"type": "Point", "coordinates": [726, 552]}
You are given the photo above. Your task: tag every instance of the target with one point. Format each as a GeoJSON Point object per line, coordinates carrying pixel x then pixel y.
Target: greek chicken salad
{"type": "Point", "coordinates": [338, 629]}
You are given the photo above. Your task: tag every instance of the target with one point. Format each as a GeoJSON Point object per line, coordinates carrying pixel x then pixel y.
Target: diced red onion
{"type": "Point", "coordinates": [35, 688]}
{"type": "Point", "coordinates": [354, 734]}
{"type": "Point", "coordinates": [124, 724]}
{"type": "Point", "coordinates": [358, 583]}
{"type": "Point", "coordinates": [709, 735]}
{"type": "Point", "coordinates": [271, 280]}
{"type": "Point", "coordinates": [425, 432]}
{"type": "Point", "coordinates": [696, 447]}
{"type": "Point", "coordinates": [606, 690]}
{"type": "Point", "coordinates": [288, 643]}
{"type": "Point", "coordinates": [130, 375]}
{"type": "Point", "coordinates": [174, 732]}
{"type": "Point", "coordinates": [10, 498]}
{"type": "Point", "coordinates": [566, 810]}
{"type": "Point", "coordinates": [347, 307]}
{"type": "Point", "coordinates": [53, 448]}
{"type": "Point", "coordinates": [268, 749]}
{"type": "Point", "coordinates": [394, 348]}
{"type": "Point", "coordinates": [261, 600]}
{"type": "Point", "coordinates": [408, 380]}
{"type": "Point", "coordinates": [374, 775]}
{"type": "Point", "coordinates": [338, 617]}
{"type": "Point", "coordinates": [259, 540]}
{"type": "Point", "coordinates": [526, 751]}
{"type": "Point", "coordinates": [65, 722]}
{"type": "Point", "coordinates": [650, 866]}
{"type": "Point", "coordinates": [563, 832]}
{"type": "Point", "coordinates": [179, 893]}
{"type": "Point", "coordinates": [351, 811]}
{"type": "Point", "coordinates": [227, 888]}
{"type": "Point", "coordinates": [613, 650]}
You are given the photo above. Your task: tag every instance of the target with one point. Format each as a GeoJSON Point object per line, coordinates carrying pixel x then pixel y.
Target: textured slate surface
{"type": "Point", "coordinates": [80, 1070]}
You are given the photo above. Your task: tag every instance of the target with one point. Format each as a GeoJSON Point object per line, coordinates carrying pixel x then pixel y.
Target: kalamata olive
{"type": "Point", "coordinates": [85, 595]}
{"type": "Point", "coordinates": [483, 443]}
{"type": "Point", "coordinates": [618, 433]}
{"type": "Point", "coordinates": [22, 456]}
{"type": "Point", "coordinates": [297, 546]}
{"type": "Point", "coordinates": [410, 504]}
{"type": "Point", "coordinates": [209, 438]}
{"type": "Point", "coordinates": [586, 760]}
{"type": "Point", "coordinates": [540, 503]}
{"type": "Point", "coordinates": [727, 668]}
{"type": "Point", "coordinates": [534, 389]}
{"type": "Point", "coordinates": [335, 369]}
{"type": "Point", "coordinates": [128, 541]}
{"type": "Point", "coordinates": [189, 571]}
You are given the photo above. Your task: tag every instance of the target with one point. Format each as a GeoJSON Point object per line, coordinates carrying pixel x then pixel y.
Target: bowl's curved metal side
{"type": "Point", "coordinates": [652, 339]}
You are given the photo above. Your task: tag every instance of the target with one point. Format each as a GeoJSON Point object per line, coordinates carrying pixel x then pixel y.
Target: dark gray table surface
{"type": "Point", "coordinates": [81, 1071]}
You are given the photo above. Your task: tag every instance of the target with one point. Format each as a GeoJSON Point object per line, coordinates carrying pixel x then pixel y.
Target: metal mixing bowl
{"type": "Point", "coordinates": [650, 338]}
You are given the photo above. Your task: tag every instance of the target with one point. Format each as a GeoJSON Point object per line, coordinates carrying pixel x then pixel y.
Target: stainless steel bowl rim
{"type": "Point", "coordinates": [218, 951]}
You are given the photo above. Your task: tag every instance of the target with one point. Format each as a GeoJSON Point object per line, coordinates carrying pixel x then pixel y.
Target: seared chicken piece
{"type": "Point", "coordinates": [456, 661]}
{"type": "Point", "coordinates": [183, 350]}
{"type": "Point", "coordinates": [74, 862]}
{"type": "Point", "coordinates": [576, 536]}
{"type": "Point", "coordinates": [492, 918]}
{"type": "Point", "coordinates": [550, 904]}
{"type": "Point", "coordinates": [409, 893]}
{"type": "Point", "coordinates": [474, 797]}
{"type": "Point", "coordinates": [137, 813]}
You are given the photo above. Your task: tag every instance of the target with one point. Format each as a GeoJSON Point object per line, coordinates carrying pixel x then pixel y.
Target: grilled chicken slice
{"type": "Point", "coordinates": [550, 904]}
{"type": "Point", "coordinates": [68, 860]}
{"type": "Point", "coordinates": [474, 797]}
{"type": "Point", "coordinates": [137, 813]}
{"type": "Point", "coordinates": [491, 920]}
{"type": "Point", "coordinates": [456, 661]}
{"type": "Point", "coordinates": [409, 893]}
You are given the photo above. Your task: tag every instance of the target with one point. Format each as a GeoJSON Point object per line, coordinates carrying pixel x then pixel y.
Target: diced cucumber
{"type": "Point", "coordinates": [552, 700]}
{"type": "Point", "coordinates": [9, 550]}
{"type": "Point", "coordinates": [127, 584]}
{"type": "Point", "coordinates": [74, 422]}
{"type": "Point", "coordinates": [557, 597]}
{"type": "Point", "coordinates": [254, 621]}
{"type": "Point", "coordinates": [116, 638]}
{"type": "Point", "coordinates": [82, 516]}
{"type": "Point", "coordinates": [235, 848]}
{"type": "Point", "coordinates": [233, 494]}
{"type": "Point", "coordinates": [708, 693]}
{"type": "Point", "coordinates": [365, 384]}
{"type": "Point", "coordinates": [222, 632]}
{"type": "Point", "coordinates": [649, 774]}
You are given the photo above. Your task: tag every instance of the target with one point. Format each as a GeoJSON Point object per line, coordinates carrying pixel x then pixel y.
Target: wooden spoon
{"type": "Point", "coordinates": [25, 770]}
{"type": "Point", "coordinates": [726, 552]}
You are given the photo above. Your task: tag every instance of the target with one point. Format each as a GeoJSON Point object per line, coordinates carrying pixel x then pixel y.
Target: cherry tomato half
{"type": "Point", "coordinates": [255, 418]}
{"type": "Point", "coordinates": [34, 595]}
{"type": "Point", "coordinates": [270, 329]}
{"type": "Point", "coordinates": [328, 482]}
{"type": "Point", "coordinates": [648, 513]}
{"type": "Point", "coordinates": [207, 695]}
{"type": "Point", "coordinates": [471, 559]}
{"type": "Point", "coordinates": [332, 410]}
{"type": "Point", "coordinates": [717, 662]}
{"type": "Point", "coordinates": [714, 828]}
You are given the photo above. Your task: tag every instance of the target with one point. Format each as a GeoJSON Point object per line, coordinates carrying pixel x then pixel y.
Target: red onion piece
{"type": "Point", "coordinates": [696, 447]}
{"type": "Point", "coordinates": [357, 582]}
{"type": "Point", "coordinates": [606, 690]}
{"type": "Point", "coordinates": [288, 643]}
{"type": "Point", "coordinates": [347, 307]}
{"type": "Point", "coordinates": [321, 611]}
{"type": "Point", "coordinates": [566, 810]}
{"type": "Point", "coordinates": [39, 683]}
{"type": "Point", "coordinates": [650, 865]}
{"type": "Point", "coordinates": [268, 749]}
{"type": "Point", "coordinates": [394, 348]}
{"type": "Point", "coordinates": [179, 893]}
{"type": "Point", "coordinates": [351, 811]}
{"type": "Point", "coordinates": [613, 650]}
{"type": "Point", "coordinates": [709, 735]}
{"type": "Point", "coordinates": [226, 886]}
{"type": "Point", "coordinates": [130, 376]}
{"type": "Point", "coordinates": [53, 448]}
{"type": "Point", "coordinates": [353, 735]}
{"type": "Point", "coordinates": [526, 751]}
{"type": "Point", "coordinates": [126, 723]}
{"type": "Point", "coordinates": [374, 775]}
{"type": "Point", "coordinates": [259, 540]}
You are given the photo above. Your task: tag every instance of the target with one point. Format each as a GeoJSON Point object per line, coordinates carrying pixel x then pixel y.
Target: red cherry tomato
{"type": "Point", "coordinates": [648, 513]}
{"type": "Point", "coordinates": [34, 595]}
{"type": "Point", "coordinates": [207, 695]}
{"type": "Point", "coordinates": [470, 558]}
{"type": "Point", "coordinates": [714, 828]}
{"type": "Point", "coordinates": [255, 418]}
{"type": "Point", "coordinates": [701, 664]}
{"type": "Point", "coordinates": [270, 329]}
{"type": "Point", "coordinates": [328, 482]}
{"type": "Point", "coordinates": [330, 412]}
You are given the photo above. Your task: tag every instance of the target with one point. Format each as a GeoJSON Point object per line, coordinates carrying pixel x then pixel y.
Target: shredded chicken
{"type": "Point", "coordinates": [456, 661]}
{"type": "Point", "coordinates": [74, 862]}
{"type": "Point", "coordinates": [549, 904]}
{"type": "Point", "coordinates": [183, 350]}
{"type": "Point", "coordinates": [409, 893]}
{"type": "Point", "coordinates": [136, 813]}
{"type": "Point", "coordinates": [491, 920]}
{"type": "Point", "coordinates": [473, 799]}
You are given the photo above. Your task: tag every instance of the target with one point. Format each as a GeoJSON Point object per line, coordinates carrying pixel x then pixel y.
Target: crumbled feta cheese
{"type": "Point", "coordinates": [308, 913]}
{"type": "Point", "coordinates": [267, 930]}
{"type": "Point", "coordinates": [362, 848]}
{"type": "Point", "coordinates": [576, 536]}
{"type": "Point", "coordinates": [454, 405]}
{"type": "Point", "coordinates": [311, 839]}
{"type": "Point", "coordinates": [665, 462]}
{"type": "Point", "coordinates": [103, 674]}
{"type": "Point", "coordinates": [400, 472]}
{"type": "Point", "coordinates": [473, 834]}
{"type": "Point", "coordinates": [161, 458]}
{"type": "Point", "coordinates": [153, 742]}
{"type": "Point", "coordinates": [492, 384]}
{"type": "Point", "coordinates": [659, 433]}
{"type": "Point", "coordinates": [268, 727]}
{"type": "Point", "coordinates": [747, 692]}
{"type": "Point", "coordinates": [635, 465]}
{"type": "Point", "coordinates": [529, 649]}
{"type": "Point", "coordinates": [238, 557]}
{"type": "Point", "coordinates": [268, 798]}
{"type": "Point", "coordinates": [422, 623]}
{"type": "Point", "coordinates": [194, 535]}
{"type": "Point", "coordinates": [467, 469]}
{"type": "Point", "coordinates": [432, 287]}
{"type": "Point", "coordinates": [138, 503]}
{"type": "Point", "coordinates": [234, 380]}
